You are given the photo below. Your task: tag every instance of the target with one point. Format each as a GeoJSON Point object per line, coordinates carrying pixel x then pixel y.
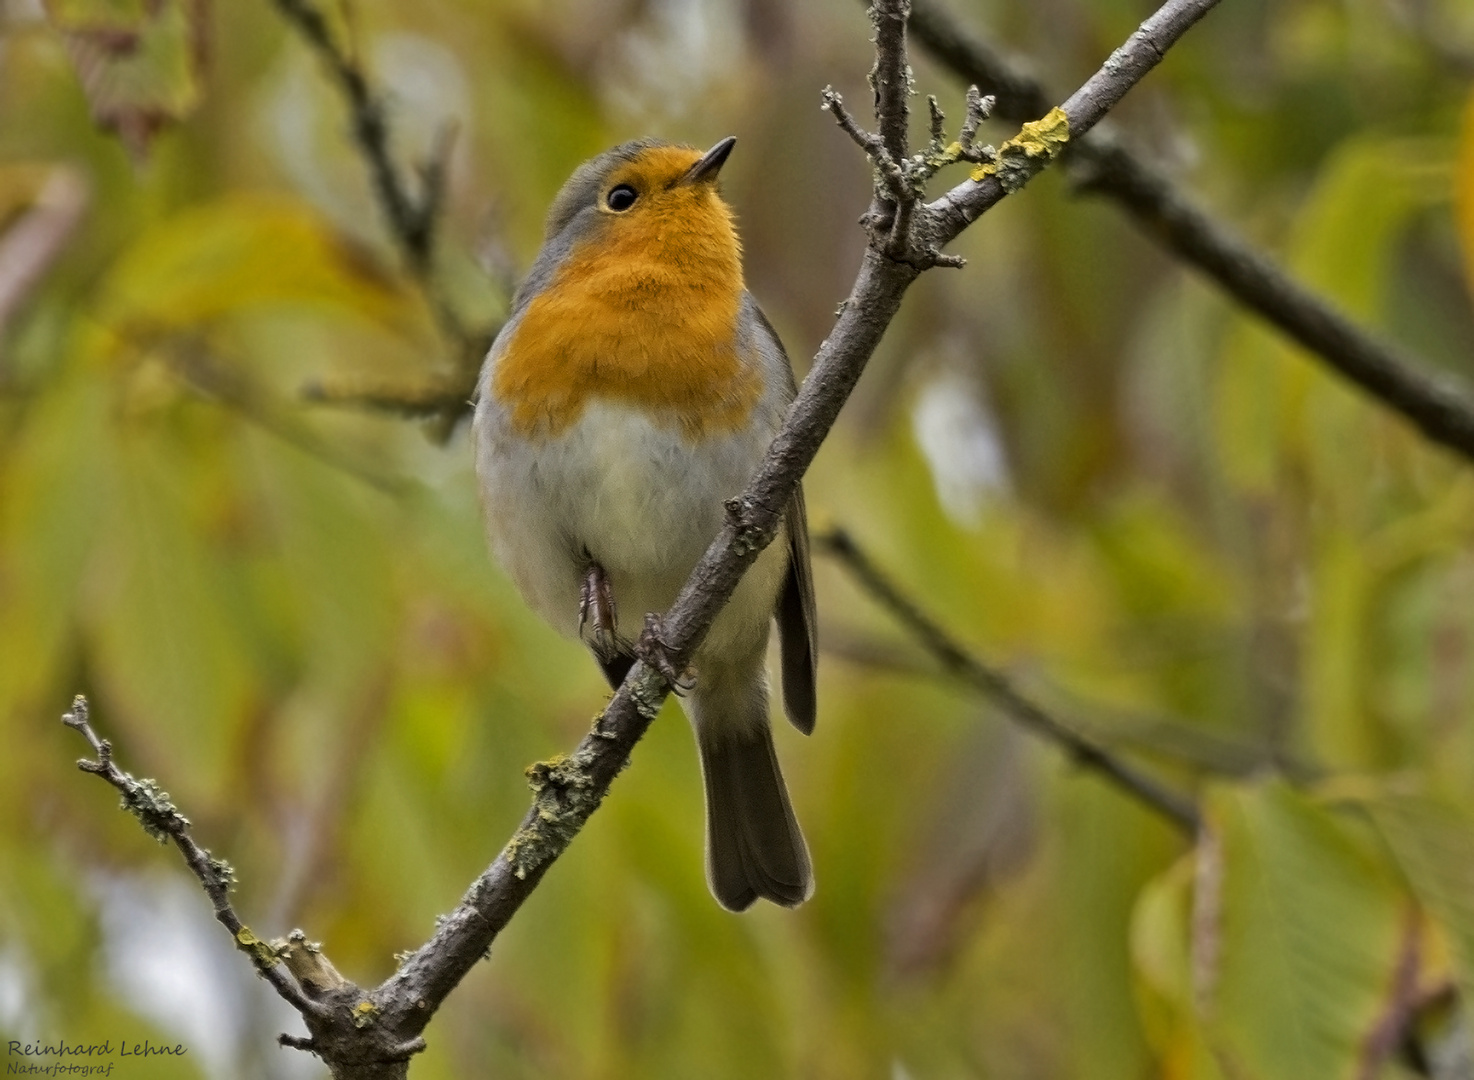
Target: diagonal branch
{"type": "Point", "coordinates": [998, 689]}
{"type": "Point", "coordinates": [1022, 158]}
{"type": "Point", "coordinates": [1443, 413]}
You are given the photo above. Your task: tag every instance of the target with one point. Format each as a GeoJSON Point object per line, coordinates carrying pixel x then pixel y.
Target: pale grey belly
{"type": "Point", "coordinates": [614, 488]}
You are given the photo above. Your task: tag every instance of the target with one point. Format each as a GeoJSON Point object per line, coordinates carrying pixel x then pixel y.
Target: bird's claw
{"type": "Point", "coordinates": [653, 651]}
{"type": "Point", "coordinates": [596, 607]}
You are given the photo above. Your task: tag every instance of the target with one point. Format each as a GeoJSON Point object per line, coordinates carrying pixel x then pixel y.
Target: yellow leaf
{"type": "Point", "coordinates": [244, 253]}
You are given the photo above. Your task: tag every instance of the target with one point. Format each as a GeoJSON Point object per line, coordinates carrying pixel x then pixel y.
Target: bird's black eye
{"type": "Point", "coordinates": [621, 197]}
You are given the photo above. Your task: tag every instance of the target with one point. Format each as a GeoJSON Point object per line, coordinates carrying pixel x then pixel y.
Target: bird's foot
{"type": "Point", "coordinates": [654, 652]}
{"type": "Point", "coordinates": [597, 620]}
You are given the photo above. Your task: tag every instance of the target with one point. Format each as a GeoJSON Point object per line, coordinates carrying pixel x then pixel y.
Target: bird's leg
{"type": "Point", "coordinates": [596, 606]}
{"type": "Point", "coordinates": [652, 649]}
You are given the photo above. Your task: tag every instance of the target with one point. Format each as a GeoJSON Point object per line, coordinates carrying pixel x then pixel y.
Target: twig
{"type": "Point", "coordinates": [997, 687]}
{"type": "Point", "coordinates": [161, 819]}
{"type": "Point", "coordinates": [411, 219]}
{"type": "Point", "coordinates": [410, 402]}
{"type": "Point", "coordinates": [1443, 413]}
{"type": "Point", "coordinates": [1159, 737]}
{"type": "Point", "coordinates": [1022, 158]}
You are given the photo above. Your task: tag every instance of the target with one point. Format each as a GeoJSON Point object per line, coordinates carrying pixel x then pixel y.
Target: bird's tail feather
{"type": "Point", "coordinates": [754, 847]}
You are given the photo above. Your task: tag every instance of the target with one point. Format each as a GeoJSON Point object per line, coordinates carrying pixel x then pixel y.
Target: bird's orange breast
{"type": "Point", "coordinates": [645, 315]}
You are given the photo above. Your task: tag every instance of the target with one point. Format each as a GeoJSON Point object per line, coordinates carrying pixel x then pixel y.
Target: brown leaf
{"type": "Point", "coordinates": [140, 62]}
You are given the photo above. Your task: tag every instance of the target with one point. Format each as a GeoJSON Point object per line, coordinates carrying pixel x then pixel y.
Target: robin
{"type": "Point", "coordinates": [635, 386]}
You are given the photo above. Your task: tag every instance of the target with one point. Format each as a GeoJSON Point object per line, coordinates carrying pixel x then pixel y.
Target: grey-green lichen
{"type": "Point", "coordinates": [220, 874]}
{"type": "Point", "coordinates": [564, 794]}
{"type": "Point", "coordinates": [1023, 156]}
{"type": "Point", "coordinates": [648, 692]}
{"type": "Point", "coordinates": [153, 808]}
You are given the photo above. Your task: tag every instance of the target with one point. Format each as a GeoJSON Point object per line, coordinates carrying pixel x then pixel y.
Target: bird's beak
{"type": "Point", "coordinates": [711, 162]}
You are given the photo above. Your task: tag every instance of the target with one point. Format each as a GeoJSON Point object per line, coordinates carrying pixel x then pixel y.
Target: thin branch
{"type": "Point", "coordinates": [1159, 737]}
{"type": "Point", "coordinates": [1022, 158]}
{"type": "Point", "coordinates": [409, 402]}
{"type": "Point", "coordinates": [162, 820]}
{"type": "Point", "coordinates": [191, 359]}
{"type": "Point", "coordinates": [890, 78]}
{"type": "Point", "coordinates": [1443, 413]}
{"type": "Point", "coordinates": [411, 218]}
{"type": "Point", "coordinates": [999, 689]}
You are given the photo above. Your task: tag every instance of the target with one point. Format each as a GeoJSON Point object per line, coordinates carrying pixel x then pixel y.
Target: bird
{"type": "Point", "coordinates": [635, 386]}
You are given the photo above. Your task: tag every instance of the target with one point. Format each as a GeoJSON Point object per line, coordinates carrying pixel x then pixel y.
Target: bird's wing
{"type": "Point", "coordinates": [797, 618]}
{"type": "Point", "coordinates": [798, 622]}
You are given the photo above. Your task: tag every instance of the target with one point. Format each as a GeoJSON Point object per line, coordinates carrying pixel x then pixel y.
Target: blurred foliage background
{"type": "Point", "coordinates": [1171, 527]}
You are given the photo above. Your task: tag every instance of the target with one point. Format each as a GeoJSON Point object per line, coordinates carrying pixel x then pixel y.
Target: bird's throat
{"type": "Point", "coordinates": [647, 318]}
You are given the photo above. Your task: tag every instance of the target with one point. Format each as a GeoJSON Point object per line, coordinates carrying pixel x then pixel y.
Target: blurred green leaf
{"type": "Point", "coordinates": [246, 252]}
{"type": "Point", "coordinates": [1433, 842]}
{"type": "Point", "coordinates": [1298, 935]}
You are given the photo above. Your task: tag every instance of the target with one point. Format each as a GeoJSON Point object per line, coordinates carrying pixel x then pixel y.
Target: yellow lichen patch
{"type": "Point", "coordinates": [643, 312]}
{"type": "Point", "coordinates": [1022, 156]}
{"type": "Point", "coordinates": [264, 954]}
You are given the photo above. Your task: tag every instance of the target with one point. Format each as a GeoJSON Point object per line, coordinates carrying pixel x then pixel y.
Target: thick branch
{"type": "Point", "coordinates": [997, 688]}
{"type": "Point", "coordinates": [1443, 413]}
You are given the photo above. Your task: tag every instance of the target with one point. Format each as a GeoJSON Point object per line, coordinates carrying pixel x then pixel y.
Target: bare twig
{"type": "Point", "coordinates": [1443, 413]}
{"type": "Point", "coordinates": [1150, 735]}
{"type": "Point", "coordinates": [410, 402]}
{"type": "Point", "coordinates": [411, 218]}
{"type": "Point", "coordinates": [161, 819]}
{"type": "Point", "coordinates": [999, 689]}
{"type": "Point", "coordinates": [1022, 158]}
